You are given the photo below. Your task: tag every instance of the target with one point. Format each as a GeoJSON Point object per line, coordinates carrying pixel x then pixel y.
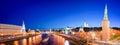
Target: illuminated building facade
{"type": "Point", "coordinates": [85, 24]}
{"type": "Point", "coordinates": [7, 29]}
{"type": "Point", "coordinates": [105, 26]}
{"type": "Point", "coordinates": [67, 30]}
{"type": "Point", "coordinates": [23, 28]}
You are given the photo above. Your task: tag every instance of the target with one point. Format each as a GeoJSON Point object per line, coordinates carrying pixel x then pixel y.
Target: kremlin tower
{"type": "Point", "coordinates": [85, 24]}
{"type": "Point", "coordinates": [105, 26]}
{"type": "Point", "coordinates": [23, 28]}
{"type": "Point", "coordinates": [81, 29]}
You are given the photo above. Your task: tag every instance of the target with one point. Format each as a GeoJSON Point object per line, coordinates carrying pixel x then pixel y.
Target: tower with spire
{"type": "Point", "coordinates": [50, 30]}
{"type": "Point", "coordinates": [23, 28]}
{"type": "Point", "coordinates": [105, 26]}
{"type": "Point", "coordinates": [85, 24]}
{"type": "Point", "coordinates": [67, 30]}
{"type": "Point", "coordinates": [81, 29]}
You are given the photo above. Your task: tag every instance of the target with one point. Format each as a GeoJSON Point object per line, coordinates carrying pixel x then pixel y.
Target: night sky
{"type": "Point", "coordinates": [46, 14]}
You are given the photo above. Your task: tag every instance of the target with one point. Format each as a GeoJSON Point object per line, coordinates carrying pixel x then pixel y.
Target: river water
{"type": "Point", "coordinates": [25, 41]}
{"type": "Point", "coordinates": [36, 40]}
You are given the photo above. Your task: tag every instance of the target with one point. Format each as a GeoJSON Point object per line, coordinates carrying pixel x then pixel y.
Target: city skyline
{"type": "Point", "coordinates": [55, 14]}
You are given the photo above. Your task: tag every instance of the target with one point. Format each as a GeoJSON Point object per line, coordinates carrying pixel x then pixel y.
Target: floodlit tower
{"type": "Point", "coordinates": [66, 42]}
{"type": "Point", "coordinates": [50, 30]}
{"type": "Point", "coordinates": [29, 30]}
{"type": "Point", "coordinates": [105, 26]}
{"type": "Point", "coordinates": [67, 30]}
{"type": "Point", "coordinates": [85, 24]}
{"type": "Point", "coordinates": [23, 28]}
{"type": "Point", "coordinates": [81, 29]}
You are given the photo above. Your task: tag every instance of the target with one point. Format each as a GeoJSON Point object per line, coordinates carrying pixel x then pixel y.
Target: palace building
{"type": "Point", "coordinates": [8, 29]}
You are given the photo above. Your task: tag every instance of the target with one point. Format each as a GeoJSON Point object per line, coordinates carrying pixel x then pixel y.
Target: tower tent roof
{"type": "Point", "coordinates": [106, 12]}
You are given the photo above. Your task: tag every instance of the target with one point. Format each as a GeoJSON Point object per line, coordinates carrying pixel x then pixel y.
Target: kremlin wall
{"type": "Point", "coordinates": [97, 32]}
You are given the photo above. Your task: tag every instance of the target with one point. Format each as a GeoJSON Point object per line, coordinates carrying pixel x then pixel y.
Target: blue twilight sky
{"type": "Point", "coordinates": [46, 14]}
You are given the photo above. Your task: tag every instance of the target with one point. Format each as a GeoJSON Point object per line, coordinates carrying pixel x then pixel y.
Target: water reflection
{"type": "Point", "coordinates": [30, 41]}
{"type": "Point", "coordinates": [26, 41]}
{"type": "Point", "coordinates": [16, 43]}
{"type": "Point", "coordinates": [2, 44]}
{"type": "Point", "coordinates": [36, 40]}
{"type": "Point", "coordinates": [66, 42]}
{"type": "Point", "coordinates": [58, 40]}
